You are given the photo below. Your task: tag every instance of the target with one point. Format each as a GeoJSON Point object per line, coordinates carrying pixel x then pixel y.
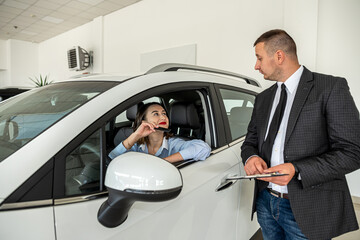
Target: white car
{"type": "Point", "coordinates": [57, 182]}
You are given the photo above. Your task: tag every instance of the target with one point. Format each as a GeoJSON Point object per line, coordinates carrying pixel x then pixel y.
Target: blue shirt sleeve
{"type": "Point", "coordinates": [120, 149]}
{"type": "Point", "coordinates": [192, 149]}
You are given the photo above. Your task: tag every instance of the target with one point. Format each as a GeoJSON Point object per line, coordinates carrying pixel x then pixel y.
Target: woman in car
{"type": "Point", "coordinates": [148, 138]}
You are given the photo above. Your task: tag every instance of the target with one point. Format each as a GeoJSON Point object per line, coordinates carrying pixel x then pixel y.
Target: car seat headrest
{"type": "Point", "coordinates": [131, 112]}
{"type": "Point", "coordinates": [184, 115]}
{"type": "Point", "coordinates": [241, 114]}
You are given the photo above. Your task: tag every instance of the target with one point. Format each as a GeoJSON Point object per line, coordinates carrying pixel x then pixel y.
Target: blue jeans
{"type": "Point", "coordinates": [276, 218]}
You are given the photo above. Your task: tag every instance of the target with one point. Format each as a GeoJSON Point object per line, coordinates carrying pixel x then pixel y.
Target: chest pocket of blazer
{"type": "Point", "coordinates": [312, 107]}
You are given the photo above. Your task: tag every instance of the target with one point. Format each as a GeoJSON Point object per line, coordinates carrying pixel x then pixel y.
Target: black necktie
{"type": "Point", "coordinates": [274, 126]}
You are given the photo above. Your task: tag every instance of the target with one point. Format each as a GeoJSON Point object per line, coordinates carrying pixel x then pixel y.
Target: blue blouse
{"type": "Point", "coordinates": [192, 149]}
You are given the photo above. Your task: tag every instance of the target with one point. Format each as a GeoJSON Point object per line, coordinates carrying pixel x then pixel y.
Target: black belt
{"type": "Point", "coordinates": [278, 194]}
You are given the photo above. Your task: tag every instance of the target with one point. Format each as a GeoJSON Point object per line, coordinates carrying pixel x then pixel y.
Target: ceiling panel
{"type": "Point", "coordinates": [39, 20]}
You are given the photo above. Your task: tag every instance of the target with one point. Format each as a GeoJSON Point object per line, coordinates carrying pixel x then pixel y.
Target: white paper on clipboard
{"type": "Point", "coordinates": [275, 174]}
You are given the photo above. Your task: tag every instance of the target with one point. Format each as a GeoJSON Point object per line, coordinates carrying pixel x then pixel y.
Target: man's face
{"type": "Point", "coordinates": [266, 64]}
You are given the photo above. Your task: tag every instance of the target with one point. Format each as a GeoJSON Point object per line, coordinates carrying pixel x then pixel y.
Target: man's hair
{"type": "Point", "coordinates": [277, 39]}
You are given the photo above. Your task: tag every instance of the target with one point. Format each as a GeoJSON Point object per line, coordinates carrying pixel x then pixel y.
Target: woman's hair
{"type": "Point", "coordinates": [140, 116]}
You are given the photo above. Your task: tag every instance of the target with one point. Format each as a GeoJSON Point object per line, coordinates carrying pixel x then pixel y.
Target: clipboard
{"type": "Point", "coordinates": [274, 174]}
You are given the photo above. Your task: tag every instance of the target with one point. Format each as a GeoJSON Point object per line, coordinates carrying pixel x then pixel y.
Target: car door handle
{"type": "Point", "coordinates": [225, 183]}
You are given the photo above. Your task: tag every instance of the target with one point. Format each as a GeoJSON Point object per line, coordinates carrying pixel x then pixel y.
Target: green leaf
{"type": "Point", "coordinates": [40, 81]}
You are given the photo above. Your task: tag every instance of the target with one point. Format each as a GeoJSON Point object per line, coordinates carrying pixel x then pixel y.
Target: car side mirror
{"type": "Point", "coordinates": [137, 177]}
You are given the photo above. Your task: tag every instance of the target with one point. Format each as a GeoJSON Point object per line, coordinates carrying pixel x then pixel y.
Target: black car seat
{"type": "Point", "coordinates": [125, 132]}
{"type": "Point", "coordinates": [184, 121]}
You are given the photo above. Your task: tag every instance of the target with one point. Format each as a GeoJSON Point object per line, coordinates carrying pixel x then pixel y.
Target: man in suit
{"type": "Point", "coordinates": [316, 142]}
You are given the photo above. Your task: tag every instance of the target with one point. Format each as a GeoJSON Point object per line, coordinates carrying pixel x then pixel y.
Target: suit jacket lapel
{"type": "Point", "coordinates": [267, 105]}
{"type": "Point", "coordinates": [303, 90]}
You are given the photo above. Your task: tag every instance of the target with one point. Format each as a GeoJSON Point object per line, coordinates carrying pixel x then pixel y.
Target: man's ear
{"type": "Point", "coordinates": [279, 56]}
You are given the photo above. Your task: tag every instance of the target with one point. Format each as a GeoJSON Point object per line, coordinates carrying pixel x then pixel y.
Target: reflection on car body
{"type": "Point", "coordinates": [57, 182]}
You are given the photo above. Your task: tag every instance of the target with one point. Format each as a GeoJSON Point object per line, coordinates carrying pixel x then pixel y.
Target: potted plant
{"type": "Point", "coordinates": [41, 81]}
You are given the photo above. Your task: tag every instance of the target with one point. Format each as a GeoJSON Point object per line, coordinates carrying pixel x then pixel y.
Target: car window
{"type": "Point", "coordinates": [26, 116]}
{"type": "Point", "coordinates": [120, 127]}
{"type": "Point", "coordinates": [122, 119]}
{"type": "Point", "coordinates": [88, 159]}
{"type": "Point", "coordinates": [152, 99]}
{"type": "Point", "coordinates": [82, 167]}
{"type": "Point", "coordinates": [123, 122]}
{"type": "Point", "coordinates": [239, 107]}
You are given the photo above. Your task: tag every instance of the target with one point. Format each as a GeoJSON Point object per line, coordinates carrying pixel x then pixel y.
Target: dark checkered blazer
{"type": "Point", "coordinates": [323, 141]}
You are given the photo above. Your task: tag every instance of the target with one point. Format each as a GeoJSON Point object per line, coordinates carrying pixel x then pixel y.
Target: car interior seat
{"type": "Point", "coordinates": [184, 121]}
{"type": "Point", "coordinates": [125, 132]}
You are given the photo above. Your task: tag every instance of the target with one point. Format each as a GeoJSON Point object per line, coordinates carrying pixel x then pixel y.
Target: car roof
{"type": "Point", "coordinates": [186, 67]}
{"type": "Point", "coordinates": [168, 67]}
{"type": "Point", "coordinates": [98, 77]}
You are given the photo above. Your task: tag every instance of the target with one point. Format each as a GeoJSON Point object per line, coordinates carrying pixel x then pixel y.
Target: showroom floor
{"type": "Point", "coordinates": [352, 235]}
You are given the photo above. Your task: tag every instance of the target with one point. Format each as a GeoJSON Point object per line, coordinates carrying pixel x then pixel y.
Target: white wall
{"type": "Point", "coordinates": [19, 60]}
{"type": "Point", "coordinates": [53, 52]}
{"type": "Point", "coordinates": [338, 47]}
{"type": "Point", "coordinates": [338, 51]}
{"type": "Point", "coordinates": [224, 33]}
{"type": "Point", "coordinates": [222, 30]}
{"type": "Point", "coordinates": [325, 31]}
{"type": "Point", "coordinates": [3, 62]}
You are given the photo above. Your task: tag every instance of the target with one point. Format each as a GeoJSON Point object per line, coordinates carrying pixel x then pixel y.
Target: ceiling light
{"type": "Point", "coordinates": [52, 19]}
{"type": "Point", "coordinates": [91, 2]}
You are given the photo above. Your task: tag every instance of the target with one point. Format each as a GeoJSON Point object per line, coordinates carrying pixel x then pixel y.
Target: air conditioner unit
{"type": "Point", "coordinates": [78, 58]}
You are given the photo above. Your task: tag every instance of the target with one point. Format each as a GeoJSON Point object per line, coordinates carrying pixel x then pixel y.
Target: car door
{"type": "Point", "coordinates": [237, 105]}
{"type": "Point", "coordinates": [205, 209]}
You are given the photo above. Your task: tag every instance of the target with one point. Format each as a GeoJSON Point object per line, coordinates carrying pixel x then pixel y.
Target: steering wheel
{"type": "Point", "coordinates": [89, 177]}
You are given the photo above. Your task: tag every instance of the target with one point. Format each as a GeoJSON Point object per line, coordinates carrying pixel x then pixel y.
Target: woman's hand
{"type": "Point", "coordinates": [145, 129]}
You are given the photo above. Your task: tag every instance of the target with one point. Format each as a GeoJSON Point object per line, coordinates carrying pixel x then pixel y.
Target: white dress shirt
{"type": "Point", "coordinates": [277, 155]}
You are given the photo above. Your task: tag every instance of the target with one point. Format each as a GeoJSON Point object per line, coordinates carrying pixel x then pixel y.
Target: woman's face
{"type": "Point", "coordinates": [156, 115]}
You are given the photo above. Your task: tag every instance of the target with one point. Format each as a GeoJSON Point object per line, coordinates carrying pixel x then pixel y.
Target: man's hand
{"type": "Point", "coordinates": [287, 168]}
{"type": "Point", "coordinates": [255, 165]}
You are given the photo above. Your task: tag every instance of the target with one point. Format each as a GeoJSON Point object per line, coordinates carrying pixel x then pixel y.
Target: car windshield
{"type": "Point", "coordinates": [25, 116]}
